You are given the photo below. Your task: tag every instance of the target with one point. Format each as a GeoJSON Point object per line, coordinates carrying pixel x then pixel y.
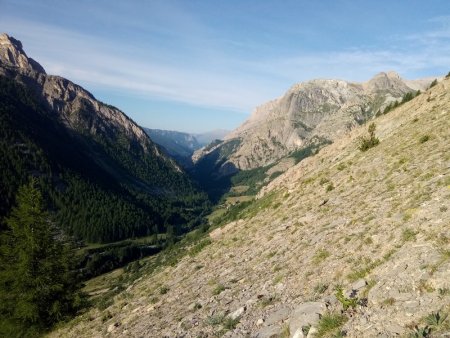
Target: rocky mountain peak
{"type": "Point", "coordinates": [310, 110]}
{"type": "Point", "coordinates": [13, 55]}
{"type": "Point", "coordinates": [387, 82]}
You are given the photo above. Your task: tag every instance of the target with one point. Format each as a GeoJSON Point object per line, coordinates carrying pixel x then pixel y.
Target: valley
{"type": "Point", "coordinates": [325, 214]}
{"type": "Point", "coordinates": [374, 223]}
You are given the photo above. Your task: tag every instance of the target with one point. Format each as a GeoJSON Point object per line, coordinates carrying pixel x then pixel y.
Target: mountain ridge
{"type": "Point", "coordinates": [90, 148]}
{"type": "Point", "coordinates": [321, 107]}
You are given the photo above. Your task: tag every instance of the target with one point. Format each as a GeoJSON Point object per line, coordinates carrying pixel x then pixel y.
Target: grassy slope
{"type": "Point", "coordinates": [386, 220]}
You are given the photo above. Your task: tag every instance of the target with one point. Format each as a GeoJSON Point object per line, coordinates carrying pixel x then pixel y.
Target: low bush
{"type": "Point", "coordinates": [365, 143]}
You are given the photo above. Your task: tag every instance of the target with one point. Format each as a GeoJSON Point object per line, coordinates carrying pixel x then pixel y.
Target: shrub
{"type": "Point", "coordinates": [323, 180]}
{"type": "Point", "coordinates": [218, 289]}
{"type": "Point", "coordinates": [320, 288]}
{"type": "Point", "coordinates": [436, 319]}
{"type": "Point", "coordinates": [330, 322]}
{"type": "Point", "coordinates": [424, 138]}
{"type": "Point", "coordinates": [230, 323]}
{"type": "Point", "coordinates": [421, 332]}
{"type": "Point", "coordinates": [365, 143]}
{"type": "Point", "coordinates": [434, 83]}
{"type": "Point", "coordinates": [216, 319]}
{"type": "Point", "coordinates": [199, 247]}
{"type": "Point", "coordinates": [164, 290]}
{"type": "Point", "coordinates": [321, 255]}
{"type": "Point", "coordinates": [197, 306]}
{"type": "Point", "coordinates": [408, 235]}
{"type": "Point", "coordinates": [346, 302]}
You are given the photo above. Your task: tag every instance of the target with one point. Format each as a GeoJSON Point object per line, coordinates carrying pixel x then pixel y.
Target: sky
{"type": "Point", "coordinates": [195, 66]}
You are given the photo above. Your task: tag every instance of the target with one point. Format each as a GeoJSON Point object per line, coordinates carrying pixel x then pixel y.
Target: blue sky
{"type": "Point", "coordinates": [195, 65]}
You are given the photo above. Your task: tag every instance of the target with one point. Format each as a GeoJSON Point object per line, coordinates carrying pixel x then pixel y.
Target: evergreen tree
{"type": "Point", "coordinates": [35, 286]}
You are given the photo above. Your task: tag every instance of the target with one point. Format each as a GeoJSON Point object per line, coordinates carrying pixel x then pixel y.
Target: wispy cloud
{"type": "Point", "coordinates": [211, 76]}
{"type": "Point", "coordinates": [425, 53]}
{"type": "Point", "coordinates": [97, 62]}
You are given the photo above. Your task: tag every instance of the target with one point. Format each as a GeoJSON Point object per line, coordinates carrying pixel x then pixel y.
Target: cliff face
{"type": "Point", "coordinates": [317, 109]}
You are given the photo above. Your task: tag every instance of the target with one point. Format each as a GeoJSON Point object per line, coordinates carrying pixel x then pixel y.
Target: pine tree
{"type": "Point", "coordinates": [35, 286]}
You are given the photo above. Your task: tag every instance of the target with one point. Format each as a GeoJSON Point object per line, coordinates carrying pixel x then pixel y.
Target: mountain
{"type": "Point", "coordinates": [374, 224]}
{"type": "Point", "coordinates": [310, 112]}
{"type": "Point", "coordinates": [210, 136]}
{"type": "Point", "coordinates": [178, 145]}
{"type": "Point", "coordinates": [102, 176]}
{"type": "Point", "coordinates": [309, 116]}
{"type": "Point", "coordinates": [181, 146]}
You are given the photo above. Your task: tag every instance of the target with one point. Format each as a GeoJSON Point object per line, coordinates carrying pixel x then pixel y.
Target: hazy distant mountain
{"type": "Point", "coordinates": [104, 178]}
{"type": "Point", "coordinates": [176, 143]}
{"type": "Point", "coordinates": [207, 137]}
{"type": "Point", "coordinates": [181, 146]}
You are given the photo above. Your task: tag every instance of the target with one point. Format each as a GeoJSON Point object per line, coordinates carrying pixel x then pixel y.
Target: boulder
{"type": "Point", "coordinates": [278, 315]}
{"type": "Point", "coordinates": [305, 314]}
{"type": "Point", "coordinates": [268, 332]}
{"type": "Point", "coordinates": [238, 313]}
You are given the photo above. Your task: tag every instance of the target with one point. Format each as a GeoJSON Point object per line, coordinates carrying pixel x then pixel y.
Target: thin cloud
{"type": "Point", "coordinates": [216, 79]}
{"type": "Point", "coordinates": [85, 59]}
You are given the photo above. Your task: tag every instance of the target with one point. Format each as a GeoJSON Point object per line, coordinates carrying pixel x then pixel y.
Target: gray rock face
{"type": "Point", "coordinates": [278, 316]}
{"type": "Point", "coordinates": [12, 54]}
{"type": "Point", "coordinates": [310, 111]}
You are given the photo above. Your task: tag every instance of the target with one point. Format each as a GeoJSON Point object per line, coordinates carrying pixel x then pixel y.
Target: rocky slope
{"type": "Point", "coordinates": [376, 223]}
{"type": "Point", "coordinates": [315, 112]}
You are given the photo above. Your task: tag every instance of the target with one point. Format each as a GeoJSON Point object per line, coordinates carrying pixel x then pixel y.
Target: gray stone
{"type": "Point", "coordinates": [312, 332]}
{"type": "Point", "coordinates": [332, 300]}
{"type": "Point", "coordinates": [394, 328]}
{"type": "Point", "coordinates": [113, 327]}
{"type": "Point", "coordinates": [298, 333]}
{"type": "Point", "coordinates": [411, 306]}
{"type": "Point", "coordinates": [359, 284]}
{"type": "Point", "coordinates": [278, 316]}
{"type": "Point", "coordinates": [238, 313]}
{"type": "Point", "coordinates": [268, 332]}
{"type": "Point", "coordinates": [306, 314]}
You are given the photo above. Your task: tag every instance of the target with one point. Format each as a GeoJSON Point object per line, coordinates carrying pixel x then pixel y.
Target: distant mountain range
{"type": "Point", "coordinates": [103, 178]}
{"type": "Point", "coordinates": [181, 146]}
